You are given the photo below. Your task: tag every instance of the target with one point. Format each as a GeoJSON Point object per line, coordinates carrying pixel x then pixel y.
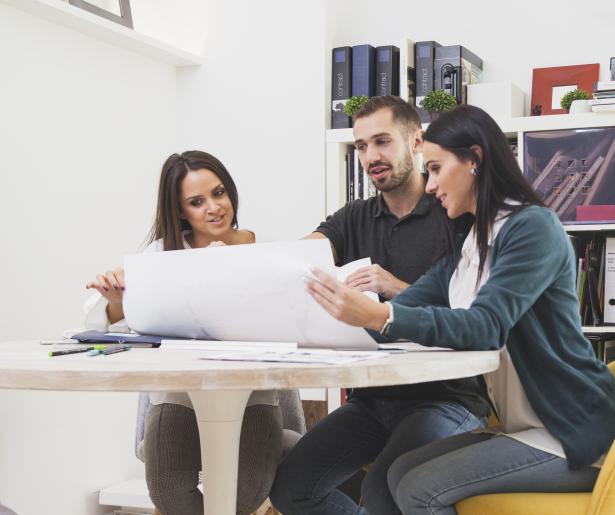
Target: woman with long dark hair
{"type": "Point", "coordinates": [510, 285]}
{"type": "Point", "coordinates": [197, 208]}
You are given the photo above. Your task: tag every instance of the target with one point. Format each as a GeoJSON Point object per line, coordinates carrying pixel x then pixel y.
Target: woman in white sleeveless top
{"type": "Point", "coordinates": [197, 208]}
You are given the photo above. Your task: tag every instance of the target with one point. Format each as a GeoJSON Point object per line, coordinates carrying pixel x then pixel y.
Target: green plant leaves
{"type": "Point", "coordinates": [438, 101]}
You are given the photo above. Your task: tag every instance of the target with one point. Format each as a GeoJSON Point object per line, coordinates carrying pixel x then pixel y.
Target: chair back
{"type": "Point", "coordinates": [603, 496]}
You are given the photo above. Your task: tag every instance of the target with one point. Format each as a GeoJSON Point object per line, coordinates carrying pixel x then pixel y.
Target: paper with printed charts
{"type": "Point", "coordinates": [241, 292]}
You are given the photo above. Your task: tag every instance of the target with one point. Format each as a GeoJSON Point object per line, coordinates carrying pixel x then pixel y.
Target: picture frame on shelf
{"type": "Point", "coordinates": [549, 85]}
{"type": "Point", "coordinates": [117, 11]}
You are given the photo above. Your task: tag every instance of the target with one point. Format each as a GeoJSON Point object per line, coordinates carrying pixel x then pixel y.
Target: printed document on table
{"type": "Point", "coordinates": [307, 356]}
{"type": "Point", "coordinates": [240, 292]}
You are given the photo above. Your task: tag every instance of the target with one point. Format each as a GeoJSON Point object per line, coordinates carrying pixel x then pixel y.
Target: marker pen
{"type": "Point", "coordinates": [69, 351]}
{"type": "Point", "coordinates": [102, 349]}
{"type": "Point", "coordinates": [113, 350]}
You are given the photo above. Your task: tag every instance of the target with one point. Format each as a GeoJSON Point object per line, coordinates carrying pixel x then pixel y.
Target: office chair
{"type": "Point", "coordinates": [601, 501]}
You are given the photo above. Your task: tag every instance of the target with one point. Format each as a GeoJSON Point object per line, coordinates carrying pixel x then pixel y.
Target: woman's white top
{"type": "Point", "coordinates": [517, 418]}
{"type": "Point", "coordinates": [95, 309]}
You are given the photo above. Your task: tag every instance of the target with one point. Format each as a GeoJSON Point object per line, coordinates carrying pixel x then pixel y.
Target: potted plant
{"type": "Point", "coordinates": [571, 96]}
{"type": "Point", "coordinates": [437, 102]}
{"type": "Point", "coordinates": [354, 104]}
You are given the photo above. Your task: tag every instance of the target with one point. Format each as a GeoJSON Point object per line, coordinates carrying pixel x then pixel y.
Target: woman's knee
{"type": "Point", "coordinates": [174, 494]}
{"type": "Point", "coordinates": [172, 457]}
{"type": "Point", "coordinates": [259, 455]}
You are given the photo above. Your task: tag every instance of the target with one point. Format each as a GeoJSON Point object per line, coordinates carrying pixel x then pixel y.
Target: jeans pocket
{"type": "Point", "coordinates": [471, 422]}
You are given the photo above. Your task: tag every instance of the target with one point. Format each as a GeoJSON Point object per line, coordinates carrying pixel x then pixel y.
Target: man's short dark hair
{"type": "Point", "coordinates": [403, 113]}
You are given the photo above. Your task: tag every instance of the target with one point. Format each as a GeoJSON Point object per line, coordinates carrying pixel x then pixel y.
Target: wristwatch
{"type": "Point", "coordinates": [389, 321]}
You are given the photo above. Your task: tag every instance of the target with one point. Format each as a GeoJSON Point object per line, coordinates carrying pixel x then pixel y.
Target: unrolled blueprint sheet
{"type": "Point", "coordinates": [241, 292]}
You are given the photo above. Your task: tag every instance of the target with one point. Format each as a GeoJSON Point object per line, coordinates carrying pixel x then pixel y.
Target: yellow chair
{"type": "Point", "coordinates": [599, 502]}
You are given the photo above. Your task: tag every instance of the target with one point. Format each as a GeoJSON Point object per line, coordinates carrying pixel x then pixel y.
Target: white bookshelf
{"type": "Point", "coordinates": [62, 13]}
{"type": "Point", "coordinates": [337, 142]}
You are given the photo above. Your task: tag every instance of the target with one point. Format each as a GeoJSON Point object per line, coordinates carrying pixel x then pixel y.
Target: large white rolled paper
{"type": "Point", "coordinates": [240, 292]}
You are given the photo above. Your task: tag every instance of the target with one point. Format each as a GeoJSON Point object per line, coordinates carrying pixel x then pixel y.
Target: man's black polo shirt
{"type": "Point", "coordinates": [407, 247]}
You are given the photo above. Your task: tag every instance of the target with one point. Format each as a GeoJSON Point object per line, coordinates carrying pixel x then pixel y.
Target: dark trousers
{"type": "Point", "coordinates": [173, 458]}
{"type": "Point", "coordinates": [363, 431]}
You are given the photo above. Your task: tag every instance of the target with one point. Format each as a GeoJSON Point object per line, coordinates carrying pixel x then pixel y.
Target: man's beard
{"type": "Point", "coordinates": [400, 173]}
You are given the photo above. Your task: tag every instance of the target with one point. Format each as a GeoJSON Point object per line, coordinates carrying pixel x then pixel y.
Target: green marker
{"type": "Point", "coordinates": [69, 351]}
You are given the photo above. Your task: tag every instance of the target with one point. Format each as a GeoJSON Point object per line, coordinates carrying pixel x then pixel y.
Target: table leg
{"type": "Point", "coordinates": [219, 414]}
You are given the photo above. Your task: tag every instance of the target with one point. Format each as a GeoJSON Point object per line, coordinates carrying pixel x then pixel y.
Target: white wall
{"type": "Point", "coordinates": [83, 132]}
{"type": "Point", "coordinates": [85, 127]}
{"type": "Point", "coordinates": [175, 22]}
{"type": "Point", "coordinates": [257, 104]}
{"type": "Point", "coordinates": [511, 37]}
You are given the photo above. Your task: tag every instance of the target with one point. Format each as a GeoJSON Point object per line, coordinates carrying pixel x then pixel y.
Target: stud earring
{"type": "Point", "coordinates": [473, 171]}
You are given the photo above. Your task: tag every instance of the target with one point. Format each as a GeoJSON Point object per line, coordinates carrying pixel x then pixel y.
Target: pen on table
{"type": "Point", "coordinates": [69, 351]}
{"type": "Point", "coordinates": [101, 349]}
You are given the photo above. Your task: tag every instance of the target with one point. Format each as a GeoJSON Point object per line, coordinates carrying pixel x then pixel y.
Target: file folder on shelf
{"type": "Point", "coordinates": [609, 281]}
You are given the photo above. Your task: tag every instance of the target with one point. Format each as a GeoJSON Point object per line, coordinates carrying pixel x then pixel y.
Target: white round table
{"type": "Point", "coordinates": [219, 390]}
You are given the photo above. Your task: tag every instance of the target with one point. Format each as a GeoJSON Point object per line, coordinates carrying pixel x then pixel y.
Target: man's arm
{"type": "Point", "coordinates": [321, 236]}
{"type": "Point", "coordinates": [372, 278]}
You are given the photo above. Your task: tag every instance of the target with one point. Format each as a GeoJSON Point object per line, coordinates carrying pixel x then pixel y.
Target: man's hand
{"type": "Point", "coordinates": [346, 304]}
{"type": "Point", "coordinates": [377, 279]}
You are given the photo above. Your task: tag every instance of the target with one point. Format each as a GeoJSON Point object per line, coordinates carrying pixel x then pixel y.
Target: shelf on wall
{"type": "Point", "coordinates": [516, 125]}
{"type": "Point", "coordinates": [607, 226]}
{"type": "Point", "coordinates": [557, 122]}
{"type": "Point", "coordinates": [601, 329]}
{"type": "Point", "coordinates": [62, 13]}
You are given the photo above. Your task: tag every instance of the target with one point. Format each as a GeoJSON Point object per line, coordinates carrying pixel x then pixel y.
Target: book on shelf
{"type": "Point", "coordinates": [609, 281]}
{"type": "Point", "coordinates": [363, 71]}
{"type": "Point", "coordinates": [595, 288]}
{"type": "Point", "coordinates": [594, 252]}
{"type": "Point", "coordinates": [407, 71]}
{"type": "Point", "coordinates": [604, 93]}
{"type": "Point", "coordinates": [604, 347]}
{"type": "Point", "coordinates": [358, 176]}
{"type": "Point", "coordinates": [387, 70]}
{"type": "Point", "coordinates": [604, 85]}
{"type": "Point", "coordinates": [609, 351]}
{"type": "Point", "coordinates": [597, 343]}
{"type": "Point", "coordinates": [604, 108]}
{"type": "Point", "coordinates": [341, 86]}
{"type": "Point", "coordinates": [358, 183]}
{"type": "Point", "coordinates": [424, 59]}
{"type": "Point", "coordinates": [454, 68]}
{"type": "Point", "coordinates": [350, 191]}
{"type": "Point", "coordinates": [603, 101]}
